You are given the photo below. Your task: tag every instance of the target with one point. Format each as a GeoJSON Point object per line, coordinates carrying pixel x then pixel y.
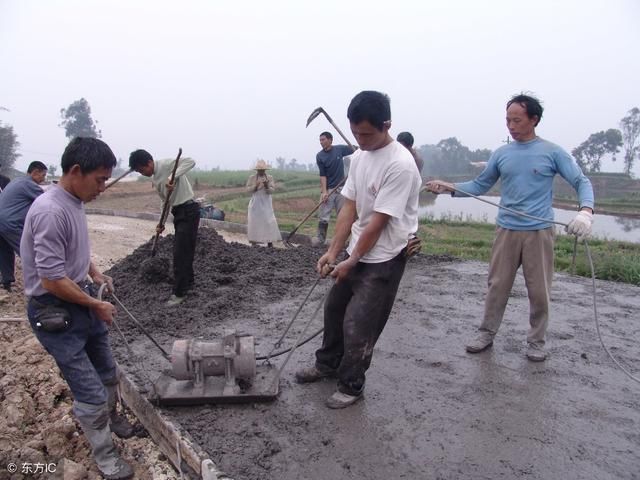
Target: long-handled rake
{"type": "Point", "coordinates": [118, 179]}
{"type": "Point", "coordinates": [287, 241]}
{"type": "Point", "coordinates": [313, 116]}
{"type": "Point", "coordinates": [321, 110]}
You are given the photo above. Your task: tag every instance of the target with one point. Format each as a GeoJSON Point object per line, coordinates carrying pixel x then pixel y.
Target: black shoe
{"type": "Point", "coordinates": [120, 426]}
{"type": "Point", "coordinates": [7, 286]}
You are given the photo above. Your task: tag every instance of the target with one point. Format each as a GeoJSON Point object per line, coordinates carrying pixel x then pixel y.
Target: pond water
{"type": "Point", "coordinates": [610, 227]}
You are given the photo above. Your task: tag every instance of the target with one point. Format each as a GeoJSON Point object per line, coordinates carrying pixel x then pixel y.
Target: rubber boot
{"type": "Point", "coordinates": [322, 233]}
{"type": "Point", "coordinates": [94, 420]}
{"type": "Point", "coordinates": [117, 422]}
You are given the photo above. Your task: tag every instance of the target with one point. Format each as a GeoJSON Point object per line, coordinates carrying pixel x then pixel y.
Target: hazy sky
{"type": "Point", "coordinates": [231, 81]}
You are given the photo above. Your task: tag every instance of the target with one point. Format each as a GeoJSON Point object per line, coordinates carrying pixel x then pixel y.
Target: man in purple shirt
{"type": "Point", "coordinates": [15, 201]}
{"type": "Point", "coordinates": [64, 314]}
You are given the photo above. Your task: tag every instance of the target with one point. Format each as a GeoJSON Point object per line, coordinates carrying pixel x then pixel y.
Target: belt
{"type": "Point", "coordinates": [84, 285]}
{"type": "Point", "coordinates": [185, 204]}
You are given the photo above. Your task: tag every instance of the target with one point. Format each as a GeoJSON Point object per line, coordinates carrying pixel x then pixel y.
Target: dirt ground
{"type": "Point", "coordinates": [139, 196]}
{"type": "Point", "coordinates": [430, 409]}
{"type": "Point", "coordinates": [36, 422]}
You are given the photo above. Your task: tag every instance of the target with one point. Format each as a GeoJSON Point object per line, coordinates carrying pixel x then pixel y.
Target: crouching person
{"type": "Point", "coordinates": [380, 213]}
{"type": "Point", "coordinates": [67, 320]}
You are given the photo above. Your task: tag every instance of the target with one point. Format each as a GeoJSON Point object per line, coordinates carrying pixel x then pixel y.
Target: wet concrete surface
{"type": "Point", "coordinates": [430, 410]}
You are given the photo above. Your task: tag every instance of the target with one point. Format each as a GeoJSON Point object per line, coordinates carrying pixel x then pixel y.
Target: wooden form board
{"type": "Point", "coordinates": [191, 459]}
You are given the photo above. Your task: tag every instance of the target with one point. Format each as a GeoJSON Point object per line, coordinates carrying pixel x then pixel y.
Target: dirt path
{"type": "Point", "coordinates": [36, 422]}
{"type": "Point", "coordinates": [430, 410]}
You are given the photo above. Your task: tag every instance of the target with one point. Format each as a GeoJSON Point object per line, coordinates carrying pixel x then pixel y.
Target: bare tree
{"type": "Point", "coordinates": [8, 147]}
{"type": "Point", "coordinates": [590, 152]}
{"type": "Point", "coordinates": [630, 126]}
{"type": "Point", "coordinates": [77, 121]}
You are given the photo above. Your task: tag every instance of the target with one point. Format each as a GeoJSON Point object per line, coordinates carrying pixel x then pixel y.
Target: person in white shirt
{"type": "Point", "coordinates": [381, 215]}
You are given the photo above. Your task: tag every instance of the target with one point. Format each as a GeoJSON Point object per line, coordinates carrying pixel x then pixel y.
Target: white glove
{"type": "Point", "coordinates": [581, 225]}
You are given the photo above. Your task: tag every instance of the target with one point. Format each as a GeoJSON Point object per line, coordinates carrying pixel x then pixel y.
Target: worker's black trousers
{"type": "Point", "coordinates": [355, 313]}
{"type": "Point", "coordinates": [186, 220]}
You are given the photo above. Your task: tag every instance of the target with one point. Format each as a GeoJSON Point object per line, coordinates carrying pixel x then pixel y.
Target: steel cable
{"type": "Point", "coordinates": [593, 274]}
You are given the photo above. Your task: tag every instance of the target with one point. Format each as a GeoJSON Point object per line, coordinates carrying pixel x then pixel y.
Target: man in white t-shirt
{"type": "Point", "coordinates": [381, 214]}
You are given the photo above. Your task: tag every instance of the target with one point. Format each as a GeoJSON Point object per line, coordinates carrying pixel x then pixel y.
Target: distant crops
{"type": "Point", "coordinates": [238, 178]}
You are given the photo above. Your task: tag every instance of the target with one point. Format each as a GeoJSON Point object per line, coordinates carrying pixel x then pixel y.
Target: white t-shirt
{"type": "Point", "coordinates": [385, 181]}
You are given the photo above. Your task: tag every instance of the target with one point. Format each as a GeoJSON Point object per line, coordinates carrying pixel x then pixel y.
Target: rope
{"type": "Point", "coordinates": [595, 313]}
{"type": "Point", "coordinates": [139, 325]}
{"type": "Point", "coordinates": [593, 275]}
{"type": "Point", "coordinates": [279, 342]}
{"type": "Point", "coordinates": [136, 358]}
{"type": "Point", "coordinates": [297, 343]}
{"type": "Point", "coordinates": [282, 352]}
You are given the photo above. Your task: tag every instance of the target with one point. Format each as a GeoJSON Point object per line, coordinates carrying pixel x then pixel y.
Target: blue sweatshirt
{"type": "Point", "coordinates": [15, 201]}
{"type": "Point", "coordinates": [526, 171]}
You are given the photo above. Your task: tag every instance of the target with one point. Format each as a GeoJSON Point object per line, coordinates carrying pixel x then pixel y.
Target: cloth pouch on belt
{"type": "Point", "coordinates": [52, 318]}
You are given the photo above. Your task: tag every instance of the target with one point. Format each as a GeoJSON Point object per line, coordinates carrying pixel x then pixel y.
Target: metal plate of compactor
{"type": "Point", "coordinates": [217, 371]}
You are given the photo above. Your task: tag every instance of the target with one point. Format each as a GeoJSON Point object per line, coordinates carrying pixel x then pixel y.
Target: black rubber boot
{"type": "Point", "coordinates": [117, 422]}
{"type": "Point", "coordinates": [321, 238]}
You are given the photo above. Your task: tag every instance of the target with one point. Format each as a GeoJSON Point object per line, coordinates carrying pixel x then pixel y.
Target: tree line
{"type": "Point", "coordinates": [448, 157]}
{"type": "Point", "coordinates": [589, 153]}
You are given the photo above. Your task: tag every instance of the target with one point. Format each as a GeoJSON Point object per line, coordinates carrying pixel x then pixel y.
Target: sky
{"type": "Point", "coordinates": [233, 81]}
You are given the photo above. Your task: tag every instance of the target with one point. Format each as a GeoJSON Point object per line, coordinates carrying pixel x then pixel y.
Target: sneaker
{"type": "Point", "coordinates": [483, 341]}
{"type": "Point", "coordinates": [174, 300]}
{"type": "Point", "coordinates": [342, 400]}
{"type": "Point", "coordinates": [312, 374]}
{"type": "Point", "coordinates": [536, 352]}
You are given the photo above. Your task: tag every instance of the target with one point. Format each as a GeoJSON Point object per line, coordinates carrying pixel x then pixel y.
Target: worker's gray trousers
{"type": "Point", "coordinates": [533, 249]}
{"type": "Point", "coordinates": [335, 200]}
{"type": "Point", "coordinates": [355, 313]}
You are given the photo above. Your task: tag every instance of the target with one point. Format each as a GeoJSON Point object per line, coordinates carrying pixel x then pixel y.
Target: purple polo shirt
{"type": "Point", "coordinates": [55, 240]}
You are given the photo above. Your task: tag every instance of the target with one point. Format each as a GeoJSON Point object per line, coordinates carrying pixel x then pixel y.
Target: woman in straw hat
{"type": "Point", "coordinates": [261, 223]}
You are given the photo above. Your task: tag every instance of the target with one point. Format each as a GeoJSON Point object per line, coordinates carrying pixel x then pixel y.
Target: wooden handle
{"type": "Point", "coordinates": [165, 207]}
{"type": "Point", "coordinates": [314, 209]}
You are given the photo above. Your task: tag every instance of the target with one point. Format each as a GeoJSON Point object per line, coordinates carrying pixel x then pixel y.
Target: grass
{"type": "Point", "coordinates": [613, 260]}
{"type": "Point", "coordinates": [453, 234]}
{"type": "Point", "coordinates": [238, 178]}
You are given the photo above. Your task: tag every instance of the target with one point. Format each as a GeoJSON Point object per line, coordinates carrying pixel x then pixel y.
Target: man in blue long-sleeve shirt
{"type": "Point", "coordinates": [15, 201]}
{"type": "Point", "coordinates": [526, 169]}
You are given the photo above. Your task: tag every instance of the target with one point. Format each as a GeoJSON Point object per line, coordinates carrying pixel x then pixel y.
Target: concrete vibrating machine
{"type": "Point", "coordinates": [216, 371]}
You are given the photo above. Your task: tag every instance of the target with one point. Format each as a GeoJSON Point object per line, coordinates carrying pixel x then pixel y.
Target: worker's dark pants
{"type": "Point", "coordinates": [355, 313]}
{"type": "Point", "coordinates": [82, 351]}
{"type": "Point", "coordinates": [186, 220]}
{"type": "Point", "coordinates": [7, 262]}
{"type": "Point", "coordinates": [9, 248]}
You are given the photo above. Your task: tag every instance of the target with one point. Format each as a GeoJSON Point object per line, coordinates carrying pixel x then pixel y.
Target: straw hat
{"type": "Point", "coordinates": [261, 165]}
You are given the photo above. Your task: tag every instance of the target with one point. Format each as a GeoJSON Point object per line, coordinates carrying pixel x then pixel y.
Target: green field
{"type": "Point", "coordinates": [298, 192]}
